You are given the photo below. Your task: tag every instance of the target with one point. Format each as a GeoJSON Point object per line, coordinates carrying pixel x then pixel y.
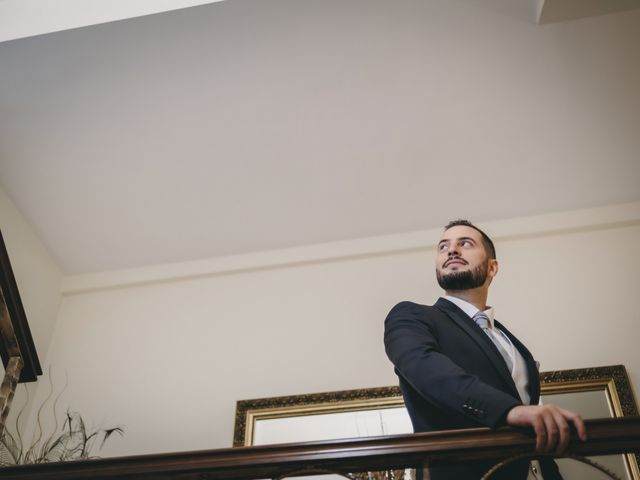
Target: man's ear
{"type": "Point", "coordinates": [492, 271]}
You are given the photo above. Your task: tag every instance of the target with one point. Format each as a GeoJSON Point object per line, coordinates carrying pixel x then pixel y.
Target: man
{"type": "Point", "coordinates": [459, 368]}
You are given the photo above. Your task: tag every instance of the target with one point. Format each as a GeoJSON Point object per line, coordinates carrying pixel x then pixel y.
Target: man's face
{"type": "Point", "coordinates": [462, 262]}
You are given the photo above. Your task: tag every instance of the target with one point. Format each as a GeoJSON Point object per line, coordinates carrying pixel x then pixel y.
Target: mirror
{"type": "Point", "coordinates": [593, 392]}
{"type": "Point", "coordinates": [321, 416]}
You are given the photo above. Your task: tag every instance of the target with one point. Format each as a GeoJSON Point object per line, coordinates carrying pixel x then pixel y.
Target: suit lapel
{"type": "Point", "coordinates": [484, 342]}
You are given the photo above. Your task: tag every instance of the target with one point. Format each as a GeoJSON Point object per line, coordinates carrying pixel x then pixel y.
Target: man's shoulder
{"type": "Point", "coordinates": [411, 308]}
{"type": "Point", "coordinates": [440, 304]}
{"type": "Point", "coordinates": [407, 304]}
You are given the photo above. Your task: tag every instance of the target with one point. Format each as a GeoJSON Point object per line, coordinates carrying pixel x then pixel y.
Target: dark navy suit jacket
{"type": "Point", "coordinates": [452, 376]}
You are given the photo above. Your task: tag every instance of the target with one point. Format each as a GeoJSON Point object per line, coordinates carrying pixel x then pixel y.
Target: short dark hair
{"type": "Point", "coordinates": [486, 241]}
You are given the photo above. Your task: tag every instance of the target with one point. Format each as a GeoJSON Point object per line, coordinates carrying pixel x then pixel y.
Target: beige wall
{"type": "Point", "coordinates": [167, 351]}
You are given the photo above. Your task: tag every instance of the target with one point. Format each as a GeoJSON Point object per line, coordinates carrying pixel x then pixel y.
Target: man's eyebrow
{"type": "Point", "coordinates": [467, 238]}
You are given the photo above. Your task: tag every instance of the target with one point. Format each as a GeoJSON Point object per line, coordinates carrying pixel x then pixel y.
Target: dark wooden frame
{"type": "Point", "coordinates": [16, 335]}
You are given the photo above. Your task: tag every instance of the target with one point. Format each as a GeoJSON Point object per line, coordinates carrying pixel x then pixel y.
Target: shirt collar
{"type": "Point", "coordinates": [471, 309]}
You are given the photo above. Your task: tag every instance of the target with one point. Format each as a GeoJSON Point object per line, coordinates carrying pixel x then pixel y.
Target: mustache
{"type": "Point", "coordinates": [451, 259]}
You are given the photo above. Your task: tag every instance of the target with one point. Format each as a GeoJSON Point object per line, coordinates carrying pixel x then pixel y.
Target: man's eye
{"type": "Point", "coordinates": [466, 243]}
{"type": "Point", "coordinates": [442, 246]}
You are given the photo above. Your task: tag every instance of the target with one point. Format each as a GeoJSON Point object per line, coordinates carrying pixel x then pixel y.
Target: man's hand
{"type": "Point", "coordinates": [550, 423]}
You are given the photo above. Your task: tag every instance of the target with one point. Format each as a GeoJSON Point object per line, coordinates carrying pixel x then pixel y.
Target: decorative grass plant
{"type": "Point", "coordinates": [72, 440]}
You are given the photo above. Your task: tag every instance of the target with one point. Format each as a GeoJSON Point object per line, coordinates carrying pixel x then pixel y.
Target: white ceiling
{"type": "Point", "coordinates": [249, 125]}
{"type": "Point", "coordinates": [27, 18]}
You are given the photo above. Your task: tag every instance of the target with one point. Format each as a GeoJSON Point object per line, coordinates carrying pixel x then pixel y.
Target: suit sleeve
{"type": "Point", "coordinates": [413, 348]}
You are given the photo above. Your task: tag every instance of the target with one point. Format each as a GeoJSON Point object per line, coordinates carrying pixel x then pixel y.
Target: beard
{"type": "Point", "coordinates": [465, 280]}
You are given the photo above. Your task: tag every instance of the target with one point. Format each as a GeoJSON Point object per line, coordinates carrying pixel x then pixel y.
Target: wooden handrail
{"type": "Point", "coordinates": [606, 436]}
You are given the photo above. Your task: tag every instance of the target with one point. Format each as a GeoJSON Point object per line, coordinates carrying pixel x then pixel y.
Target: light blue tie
{"type": "Point", "coordinates": [483, 322]}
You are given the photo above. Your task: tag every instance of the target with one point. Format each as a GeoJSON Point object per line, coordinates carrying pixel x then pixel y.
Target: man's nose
{"type": "Point", "coordinates": [453, 250]}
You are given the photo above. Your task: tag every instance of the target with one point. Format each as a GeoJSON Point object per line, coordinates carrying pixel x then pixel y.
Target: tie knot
{"type": "Point", "coordinates": [482, 320]}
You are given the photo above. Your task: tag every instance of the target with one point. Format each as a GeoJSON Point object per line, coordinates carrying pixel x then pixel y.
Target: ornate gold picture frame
{"type": "Point", "coordinates": [248, 412]}
{"type": "Point", "coordinates": [609, 386]}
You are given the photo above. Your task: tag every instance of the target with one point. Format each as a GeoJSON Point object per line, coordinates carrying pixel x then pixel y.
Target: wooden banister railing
{"type": "Point", "coordinates": [606, 436]}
